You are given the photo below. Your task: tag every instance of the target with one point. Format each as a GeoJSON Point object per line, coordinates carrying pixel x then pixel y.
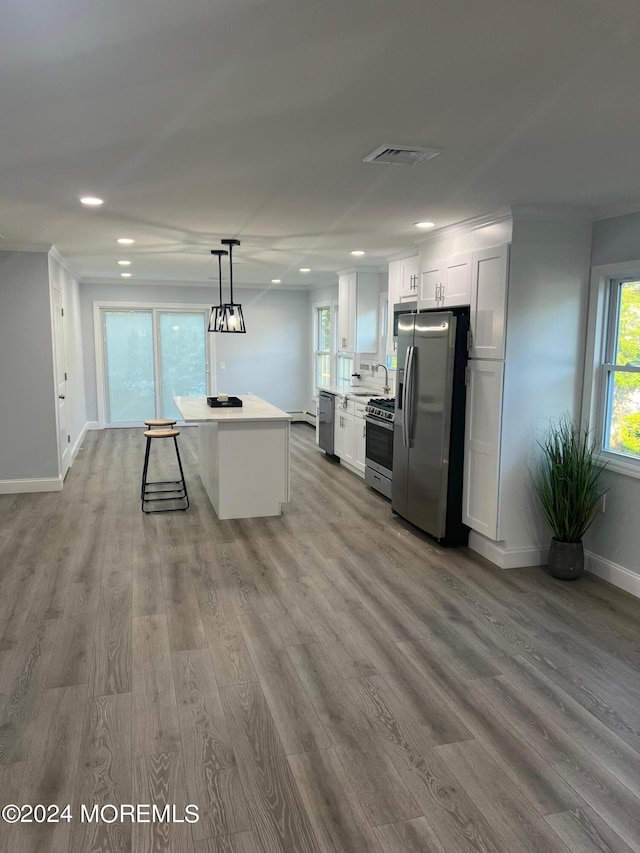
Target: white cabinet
{"type": "Point", "coordinates": [347, 295]}
{"type": "Point", "coordinates": [344, 440]}
{"type": "Point", "coordinates": [445, 283]}
{"type": "Point", "coordinates": [480, 497]}
{"type": "Point", "coordinates": [489, 276]}
{"type": "Point", "coordinates": [430, 284]}
{"type": "Point", "coordinates": [358, 308]}
{"type": "Point", "coordinates": [409, 277]}
{"type": "Point", "coordinates": [350, 433]}
{"type": "Point", "coordinates": [360, 430]}
{"type": "Point", "coordinates": [393, 296]}
{"type": "Point", "coordinates": [403, 287]}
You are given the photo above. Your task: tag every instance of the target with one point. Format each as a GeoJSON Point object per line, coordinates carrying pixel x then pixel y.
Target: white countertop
{"type": "Point", "coordinates": [195, 409]}
{"type": "Point", "coordinates": [357, 393]}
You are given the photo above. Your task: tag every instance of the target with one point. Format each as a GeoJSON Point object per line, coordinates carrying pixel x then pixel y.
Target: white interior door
{"type": "Point", "coordinates": [62, 410]}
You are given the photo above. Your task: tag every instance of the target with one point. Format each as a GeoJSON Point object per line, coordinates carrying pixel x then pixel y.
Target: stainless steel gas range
{"type": "Point", "coordinates": [379, 415]}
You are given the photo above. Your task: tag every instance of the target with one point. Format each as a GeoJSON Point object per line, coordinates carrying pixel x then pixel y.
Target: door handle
{"type": "Point", "coordinates": [61, 397]}
{"type": "Point", "coordinates": [405, 396]}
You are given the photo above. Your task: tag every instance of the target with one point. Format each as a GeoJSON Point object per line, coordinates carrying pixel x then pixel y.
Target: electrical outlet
{"type": "Point", "coordinates": [603, 503]}
{"type": "Point", "coordinates": [223, 365]}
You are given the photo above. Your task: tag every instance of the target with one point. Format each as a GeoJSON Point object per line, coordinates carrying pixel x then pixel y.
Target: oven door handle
{"type": "Point", "coordinates": [375, 422]}
{"type": "Point", "coordinates": [407, 395]}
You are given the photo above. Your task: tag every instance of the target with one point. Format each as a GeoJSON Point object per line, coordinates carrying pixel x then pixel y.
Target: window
{"type": "Point", "coordinates": [323, 346]}
{"type": "Point", "coordinates": [621, 370]}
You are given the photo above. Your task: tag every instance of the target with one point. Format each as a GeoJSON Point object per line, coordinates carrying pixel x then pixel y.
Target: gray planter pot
{"type": "Point", "coordinates": [566, 559]}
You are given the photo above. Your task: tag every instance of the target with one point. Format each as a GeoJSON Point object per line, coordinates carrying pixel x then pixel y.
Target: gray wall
{"type": "Point", "coordinates": [616, 240]}
{"type": "Point", "coordinates": [28, 448]}
{"type": "Point", "coordinates": [270, 360]}
{"type": "Point", "coordinates": [615, 535]}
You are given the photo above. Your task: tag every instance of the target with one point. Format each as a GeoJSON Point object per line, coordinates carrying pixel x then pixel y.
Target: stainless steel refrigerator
{"type": "Point", "coordinates": [428, 441]}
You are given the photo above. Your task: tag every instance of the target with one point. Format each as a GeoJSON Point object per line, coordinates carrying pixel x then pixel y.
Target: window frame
{"type": "Point", "coordinates": [317, 352]}
{"type": "Point", "coordinates": [600, 354]}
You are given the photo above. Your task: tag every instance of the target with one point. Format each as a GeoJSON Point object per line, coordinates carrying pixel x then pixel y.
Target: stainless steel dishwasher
{"type": "Point", "coordinates": [326, 410]}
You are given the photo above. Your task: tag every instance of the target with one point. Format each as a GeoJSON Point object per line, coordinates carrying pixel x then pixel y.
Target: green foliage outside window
{"type": "Point", "coordinates": [624, 433]}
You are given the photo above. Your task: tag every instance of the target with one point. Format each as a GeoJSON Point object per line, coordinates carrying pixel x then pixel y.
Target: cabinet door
{"type": "Point", "coordinates": [409, 277]}
{"type": "Point", "coordinates": [456, 289]}
{"type": "Point", "coordinates": [489, 275]}
{"type": "Point", "coordinates": [347, 311]}
{"type": "Point", "coordinates": [393, 296]}
{"type": "Point", "coordinates": [430, 286]}
{"type": "Point", "coordinates": [360, 428]}
{"type": "Point", "coordinates": [480, 496]}
{"type": "Point", "coordinates": [344, 437]}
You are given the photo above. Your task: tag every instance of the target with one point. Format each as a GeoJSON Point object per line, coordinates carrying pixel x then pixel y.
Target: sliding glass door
{"type": "Point", "coordinates": [150, 356]}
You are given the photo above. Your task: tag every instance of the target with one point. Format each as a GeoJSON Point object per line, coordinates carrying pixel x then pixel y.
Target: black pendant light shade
{"type": "Point", "coordinates": [215, 316]}
{"type": "Point", "coordinates": [230, 314]}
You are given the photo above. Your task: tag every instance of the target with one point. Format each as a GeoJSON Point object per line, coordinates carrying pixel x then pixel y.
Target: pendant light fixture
{"type": "Point", "coordinates": [216, 310]}
{"type": "Point", "coordinates": [230, 314]}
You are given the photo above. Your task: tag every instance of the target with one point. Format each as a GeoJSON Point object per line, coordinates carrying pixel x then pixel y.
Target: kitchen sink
{"type": "Point", "coordinates": [362, 393]}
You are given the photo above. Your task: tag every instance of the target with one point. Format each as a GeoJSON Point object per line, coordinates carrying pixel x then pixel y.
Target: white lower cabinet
{"type": "Point", "coordinates": [483, 431]}
{"type": "Point", "coordinates": [360, 427]}
{"type": "Point", "coordinates": [349, 435]}
{"type": "Point", "coordinates": [344, 442]}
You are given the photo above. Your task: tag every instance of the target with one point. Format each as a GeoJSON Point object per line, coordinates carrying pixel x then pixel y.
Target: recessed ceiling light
{"type": "Point", "coordinates": [276, 281]}
{"type": "Point", "coordinates": [124, 263]}
{"type": "Point", "coordinates": [125, 241]}
{"type": "Point", "coordinates": [357, 253]}
{"type": "Point", "coordinates": [125, 274]}
{"type": "Point", "coordinates": [304, 269]}
{"type": "Point", "coordinates": [425, 224]}
{"type": "Point", "coordinates": [91, 201]}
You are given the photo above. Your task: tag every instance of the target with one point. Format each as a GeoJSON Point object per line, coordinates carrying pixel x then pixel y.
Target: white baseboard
{"type": "Point", "coordinates": [77, 444]}
{"type": "Point", "coordinates": [297, 417]}
{"type": "Point", "coordinates": [507, 558]}
{"type": "Point", "coordinates": [37, 484]}
{"type": "Point", "coordinates": [309, 418]}
{"type": "Point", "coordinates": [92, 425]}
{"type": "Point", "coordinates": [617, 575]}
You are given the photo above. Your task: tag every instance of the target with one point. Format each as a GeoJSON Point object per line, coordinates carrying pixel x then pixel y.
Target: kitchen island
{"type": "Point", "coordinates": [243, 455]}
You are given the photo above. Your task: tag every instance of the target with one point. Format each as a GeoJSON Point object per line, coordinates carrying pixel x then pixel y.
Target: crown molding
{"type": "Point", "coordinates": [209, 285]}
{"type": "Point", "coordinates": [25, 247]}
{"type": "Point", "coordinates": [404, 255]}
{"type": "Point", "coordinates": [64, 263]}
{"type": "Point", "coordinates": [611, 211]}
{"type": "Point", "coordinates": [551, 212]}
{"type": "Point", "coordinates": [465, 226]}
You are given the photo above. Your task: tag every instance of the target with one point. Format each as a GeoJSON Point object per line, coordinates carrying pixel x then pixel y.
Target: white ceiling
{"type": "Point", "coordinates": [203, 119]}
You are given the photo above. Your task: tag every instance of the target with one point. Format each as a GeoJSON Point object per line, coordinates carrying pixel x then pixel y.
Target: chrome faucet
{"type": "Point", "coordinates": [387, 387]}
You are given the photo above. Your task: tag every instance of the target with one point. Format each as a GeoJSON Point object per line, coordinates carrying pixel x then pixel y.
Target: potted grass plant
{"type": "Point", "coordinates": [567, 484]}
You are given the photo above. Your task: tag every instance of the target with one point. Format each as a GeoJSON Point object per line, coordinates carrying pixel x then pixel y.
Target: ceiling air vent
{"type": "Point", "coordinates": [400, 155]}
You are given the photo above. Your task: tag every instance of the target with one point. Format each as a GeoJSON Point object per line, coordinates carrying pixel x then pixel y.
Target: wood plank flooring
{"type": "Point", "coordinates": [329, 680]}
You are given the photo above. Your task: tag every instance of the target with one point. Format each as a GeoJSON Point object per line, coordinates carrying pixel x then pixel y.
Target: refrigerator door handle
{"type": "Point", "coordinates": [407, 393]}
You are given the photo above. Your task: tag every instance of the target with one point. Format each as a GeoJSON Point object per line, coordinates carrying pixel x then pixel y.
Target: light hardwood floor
{"type": "Point", "coordinates": [329, 680]}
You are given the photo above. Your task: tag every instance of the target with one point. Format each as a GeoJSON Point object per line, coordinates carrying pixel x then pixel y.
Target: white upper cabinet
{"type": "Point", "coordinates": [445, 283]}
{"type": "Point", "coordinates": [409, 277]}
{"type": "Point", "coordinates": [358, 311]}
{"type": "Point", "coordinates": [393, 296]}
{"type": "Point", "coordinates": [430, 284]}
{"type": "Point", "coordinates": [456, 288]}
{"type": "Point", "coordinates": [347, 287]}
{"type": "Point", "coordinates": [489, 276]}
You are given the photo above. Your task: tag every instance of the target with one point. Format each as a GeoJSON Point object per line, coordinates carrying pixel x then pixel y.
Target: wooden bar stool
{"type": "Point", "coordinates": [154, 423]}
{"type": "Point", "coordinates": [163, 490]}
